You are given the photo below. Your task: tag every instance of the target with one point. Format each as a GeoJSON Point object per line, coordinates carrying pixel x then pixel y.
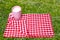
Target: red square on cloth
{"type": "Point", "coordinates": [30, 26]}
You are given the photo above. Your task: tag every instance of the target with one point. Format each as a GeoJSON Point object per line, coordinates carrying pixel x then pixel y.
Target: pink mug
{"type": "Point", "coordinates": [16, 12]}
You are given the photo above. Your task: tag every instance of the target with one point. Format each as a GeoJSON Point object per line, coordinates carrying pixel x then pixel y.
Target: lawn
{"type": "Point", "coordinates": [31, 6]}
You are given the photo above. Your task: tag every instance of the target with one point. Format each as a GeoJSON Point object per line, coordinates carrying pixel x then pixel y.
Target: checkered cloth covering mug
{"type": "Point", "coordinates": [30, 26]}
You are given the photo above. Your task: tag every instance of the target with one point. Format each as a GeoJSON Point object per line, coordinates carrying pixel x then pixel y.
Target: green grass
{"type": "Point", "coordinates": [31, 6]}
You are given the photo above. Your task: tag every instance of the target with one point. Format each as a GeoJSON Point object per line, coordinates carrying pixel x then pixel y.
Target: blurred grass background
{"type": "Point", "coordinates": [31, 6]}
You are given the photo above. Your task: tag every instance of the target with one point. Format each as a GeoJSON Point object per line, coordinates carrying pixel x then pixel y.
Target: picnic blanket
{"type": "Point", "coordinates": [30, 26]}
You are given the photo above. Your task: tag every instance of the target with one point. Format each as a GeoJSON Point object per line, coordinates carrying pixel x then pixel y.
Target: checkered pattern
{"type": "Point", "coordinates": [30, 25]}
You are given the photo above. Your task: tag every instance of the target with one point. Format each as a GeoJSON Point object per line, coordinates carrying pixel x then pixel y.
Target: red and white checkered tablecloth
{"type": "Point", "coordinates": [30, 26]}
